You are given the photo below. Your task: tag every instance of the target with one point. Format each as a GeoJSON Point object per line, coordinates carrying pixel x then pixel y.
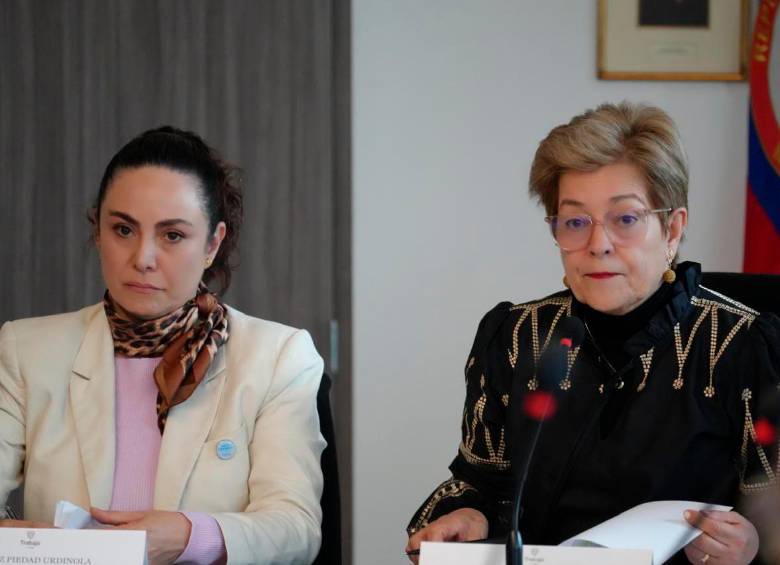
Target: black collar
{"type": "Point", "coordinates": [652, 323]}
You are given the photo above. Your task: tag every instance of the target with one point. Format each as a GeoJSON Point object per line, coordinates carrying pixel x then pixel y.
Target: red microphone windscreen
{"type": "Point", "coordinates": [765, 432]}
{"type": "Point", "coordinates": [539, 405]}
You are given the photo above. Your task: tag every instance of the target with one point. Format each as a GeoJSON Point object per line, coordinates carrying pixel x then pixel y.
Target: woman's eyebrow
{"type": "Point", "coordinates": [618, 198]}
{"type": "Point", "coordinates": [629, 196]}
{"type": "Point", "coordinates": [172, 222]}
{"type": "Point", "coordinates": [161, 224]}
{"type": "Point", "coordinates": [126, 217]}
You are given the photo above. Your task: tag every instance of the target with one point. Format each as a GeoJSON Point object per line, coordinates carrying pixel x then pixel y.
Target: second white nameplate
{"type": "Point", "coordinates": [438, 553]}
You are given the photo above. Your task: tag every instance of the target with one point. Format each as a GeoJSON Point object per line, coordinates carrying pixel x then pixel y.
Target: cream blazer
{"type": "Point", "coordinates": [57, 431]}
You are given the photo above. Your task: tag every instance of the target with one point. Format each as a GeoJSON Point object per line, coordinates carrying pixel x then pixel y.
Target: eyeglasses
{"type": "Point", "coordinates": [623, 227]}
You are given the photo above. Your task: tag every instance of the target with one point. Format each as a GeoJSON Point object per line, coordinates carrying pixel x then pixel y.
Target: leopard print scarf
{"type": "Point", "coordinates": [187, 339]}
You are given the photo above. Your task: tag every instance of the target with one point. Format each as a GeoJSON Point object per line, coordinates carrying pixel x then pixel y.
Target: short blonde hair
{"type": "Point", "coordinates": [639, 134]}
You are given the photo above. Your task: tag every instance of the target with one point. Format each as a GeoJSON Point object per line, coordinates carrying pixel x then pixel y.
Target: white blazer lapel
{"type": "Point", "coordinates": [93, 402]}
{"type": "Point", "coordinates": [186, 430]}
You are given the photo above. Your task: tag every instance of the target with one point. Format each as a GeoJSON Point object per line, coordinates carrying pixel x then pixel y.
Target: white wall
{"type": "Point", "coordinates": [451, 98]}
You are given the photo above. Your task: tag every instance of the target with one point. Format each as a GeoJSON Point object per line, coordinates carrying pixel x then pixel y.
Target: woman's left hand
{"type": "Point", "coordinates": [727, 538]}
{"type": "Point", "coordinates": [167, 533]}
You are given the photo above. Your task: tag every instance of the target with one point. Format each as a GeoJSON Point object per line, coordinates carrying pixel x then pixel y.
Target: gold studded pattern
{"type": "Point", "coordinates": [539, 342]}
{"type": "Point", "coordinates": [475, 426]}
{"type": "Point", "coordinates": [682, 353]}
{"type": "Point", "coordinates": [448, 489]}
{"type": "Point", "coordinates": [748, 438]}
{"type": "Point", "coordinates": [571, 357]}
{"type": "Point", "coordinates": [469, 365]}
{"type": "Point", "coordinates": [647, 361]}
{"type": "Point", "coordinates": [736, 307]}
{"type": "Point", "coordinates": [710, 309]}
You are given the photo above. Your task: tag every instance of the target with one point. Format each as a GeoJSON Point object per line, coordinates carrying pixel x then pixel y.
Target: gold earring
{"type": "Point", "coordinates": [207, 262]}
{"type": "Point", "coordinates": [566, 282]}
{"type": "Point", "coordinates": [669, 275]}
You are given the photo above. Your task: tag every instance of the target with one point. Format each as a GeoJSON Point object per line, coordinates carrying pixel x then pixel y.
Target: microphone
{"type": "Point", "coordinates": [541, 405]}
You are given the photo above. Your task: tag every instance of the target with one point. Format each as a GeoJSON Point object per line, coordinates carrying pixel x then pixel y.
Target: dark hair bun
{"type": "Point", "coordinates": [220, 184]}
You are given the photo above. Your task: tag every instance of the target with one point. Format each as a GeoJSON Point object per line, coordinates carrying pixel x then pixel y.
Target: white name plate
{"type": "Point", "coordinates": [22, 546]}
{"type": "Point", "coordinates": [439, 553]}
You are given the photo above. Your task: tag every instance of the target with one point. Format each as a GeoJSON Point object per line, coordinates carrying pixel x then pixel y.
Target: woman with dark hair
{"type": "Point", "coordinates": [161, 408]}
{"type": "Point", "coordinates": [659, 400]}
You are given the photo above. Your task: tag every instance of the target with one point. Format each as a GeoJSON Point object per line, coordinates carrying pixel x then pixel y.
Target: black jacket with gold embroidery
{"type": "Point", "coordinates": [676, 423]}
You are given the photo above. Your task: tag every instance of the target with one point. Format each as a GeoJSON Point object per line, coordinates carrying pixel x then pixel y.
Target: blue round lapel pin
{"type": "Point", "coordinates": [226, 449]}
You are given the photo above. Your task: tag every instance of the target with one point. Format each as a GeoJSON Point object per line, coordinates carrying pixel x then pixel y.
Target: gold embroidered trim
{"type": "Point", "coordinates": [744, 309]}
{"type": "Point", "coordinates": [539, 342]}
{"type": "Point", "coordinates": [647, 361]}
{"type": "Point", "coordinates": [749, 433]}
{"type": "Point", "coordinates": [495, 456]}
{"type": "Point", "coordinates": [448, 489]}
{"type": "Point", "coordinates": [682, 354]}
{"type": "Point", "coordinates": [469, 365]}
{"type": "Point", "coordinates": [475, 459]}
{"type": "Point", "coordinates": [715, 356]}
{"type": "Point", "coordinates": [710, 308]}
{"type": "Point", "coordinates": [516, 339]}
{"type": "Point", "coordinates": [571, 357]}
{"type": "Point", "coordinates": [556, 300]}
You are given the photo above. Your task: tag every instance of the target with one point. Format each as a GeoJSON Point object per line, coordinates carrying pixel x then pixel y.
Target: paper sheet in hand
{"type": "Point", "coordinates": [659, 526]}
{"type": "Point", "coordinates": [71, 517]}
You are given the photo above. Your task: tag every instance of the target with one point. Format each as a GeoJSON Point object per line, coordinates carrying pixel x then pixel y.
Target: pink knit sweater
{"type": "Point", "coordinates": [137, 450]}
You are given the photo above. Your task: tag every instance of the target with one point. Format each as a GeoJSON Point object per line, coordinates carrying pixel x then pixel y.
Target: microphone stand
{"type": "Point", "coordinates": [514, 542]}
{"type": "Point", "coordinates": [552, 366]}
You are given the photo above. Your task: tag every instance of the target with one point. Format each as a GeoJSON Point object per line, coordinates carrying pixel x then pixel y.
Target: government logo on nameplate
{"type": "Point", "coordinates": [72, 547]}
{"type": "Point", "coordinates": [448, 553]}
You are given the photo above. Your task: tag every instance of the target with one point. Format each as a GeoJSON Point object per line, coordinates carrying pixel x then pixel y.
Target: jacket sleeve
{"type": "Point", "coordinates": [12, 410]}
{"type": "Point", "coordinates": [281, 524]}
{"type": "Point", "coordinates": [759, 402]}
{"type": "Point", "coordinates": [481, 474]}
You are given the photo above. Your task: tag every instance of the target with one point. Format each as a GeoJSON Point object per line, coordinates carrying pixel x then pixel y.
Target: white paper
{"type": "Point", "coordinates": [69, 516]}
{"type": "Point", "coordinates": [448, 553]}
{"type": "Point", "coordinates": [658, 526]}
{"type": "Point", "coordinates": [94, 547]}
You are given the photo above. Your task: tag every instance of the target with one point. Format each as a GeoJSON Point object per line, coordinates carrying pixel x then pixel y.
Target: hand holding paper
{"type": "Point", "coordinates": [655, 525]}
{"type": "Point", "coordinates": [726, 536]}
{"type": "Point", "coordinates": [71, 517]}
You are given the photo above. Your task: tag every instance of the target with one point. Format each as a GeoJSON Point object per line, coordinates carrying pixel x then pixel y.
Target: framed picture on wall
{"type": "Point", "coordinates": [672, 39]}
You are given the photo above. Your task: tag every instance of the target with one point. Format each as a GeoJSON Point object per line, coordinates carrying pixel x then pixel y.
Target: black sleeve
{"type": "Point", "coordinates": [481, 474]}
{"type": "Point", "coordinates": [759, 405]}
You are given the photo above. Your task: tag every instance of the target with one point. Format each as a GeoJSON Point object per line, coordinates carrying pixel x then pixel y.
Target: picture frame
{"type": "Point", "coordinates": [673, 40]}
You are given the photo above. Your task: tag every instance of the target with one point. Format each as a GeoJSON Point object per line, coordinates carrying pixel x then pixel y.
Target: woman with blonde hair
{"type": "Point", "coordinates": [656, 403]}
